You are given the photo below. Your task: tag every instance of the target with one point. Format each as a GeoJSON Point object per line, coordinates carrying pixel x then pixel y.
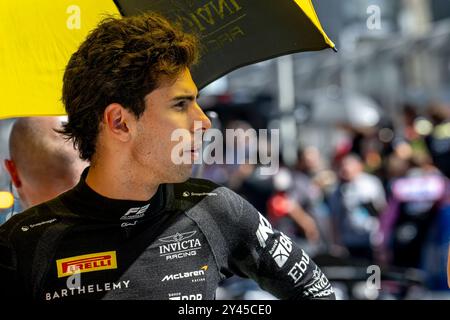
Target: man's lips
{"type": "Point", "coordinates": [193, 150]}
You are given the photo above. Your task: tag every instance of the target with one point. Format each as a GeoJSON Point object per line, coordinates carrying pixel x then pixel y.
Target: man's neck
{"type": "Point", "coordinates": [114, 183]}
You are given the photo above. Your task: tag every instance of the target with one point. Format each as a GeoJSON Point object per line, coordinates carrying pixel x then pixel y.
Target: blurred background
{"type": "Point", "coordinates": [365, 148]}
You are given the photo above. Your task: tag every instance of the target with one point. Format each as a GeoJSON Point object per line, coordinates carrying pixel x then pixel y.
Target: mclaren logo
{"type": "Point", "coordinates": [195, 276]}
{"type": "Point", "coordinates": [179, 245]}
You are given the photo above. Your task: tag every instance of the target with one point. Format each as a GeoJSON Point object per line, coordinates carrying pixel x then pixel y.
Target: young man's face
{"type": "Point", "coordinates": [172, 106]}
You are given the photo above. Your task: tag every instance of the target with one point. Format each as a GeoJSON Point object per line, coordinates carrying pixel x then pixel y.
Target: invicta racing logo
{"type": "Point", "coordinates": [86, 263]}
{"type": "Point", "coordinates": [179, 245]}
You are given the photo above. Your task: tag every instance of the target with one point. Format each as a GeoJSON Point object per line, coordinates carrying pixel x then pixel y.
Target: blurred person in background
{"type": "Point", "coordinates": [244, 175]}
{"type": "Point", "coordinates": [313, 180]}
{"type": "Point", "coordinates": [438, 141]}
{"type": "Point", "coordinates": [415, 227]}
{"type": "Point", "coordinates": [297, 206]}
{"type": "Point", "coordinates": [355, 206]}
{"type": "Point", "coordinates": [42, 164]}
{"type": "Point", "coordinates": [415, 193]}
{"type": "Point", "coordinates": [286, 212]}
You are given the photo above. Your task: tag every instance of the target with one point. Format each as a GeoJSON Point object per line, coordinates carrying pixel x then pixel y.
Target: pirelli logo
{"type": "Point", "coordinates": [86, 263]}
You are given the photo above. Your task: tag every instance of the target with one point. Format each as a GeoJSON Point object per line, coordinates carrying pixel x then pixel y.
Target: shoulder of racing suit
{"type": "Point", "coordinates": [245, 243]}
{"type": "Point", "coordinates": [19, 238]}
{"type": "Point", "coordinates": [196, 194]}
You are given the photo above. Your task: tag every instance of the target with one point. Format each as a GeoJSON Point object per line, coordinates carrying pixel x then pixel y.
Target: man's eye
{"type": "Point", "coordinates": [181, 105]}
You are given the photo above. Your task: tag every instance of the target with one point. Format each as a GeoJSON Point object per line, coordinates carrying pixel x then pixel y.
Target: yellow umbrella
{"type": "Point", "coordinates": [37, 40]}
{"type": "Point", "coordinates": [38, 37]}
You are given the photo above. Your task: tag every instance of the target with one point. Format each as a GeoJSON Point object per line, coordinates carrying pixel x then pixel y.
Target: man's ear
{"type": "Point", "coordinates": [117, 120]}
{"type": "Point", "coordinates": [12, 170]}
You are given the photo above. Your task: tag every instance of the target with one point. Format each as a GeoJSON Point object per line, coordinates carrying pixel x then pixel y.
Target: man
{"type": "Point", "coordinates": [438, 140]}
{"type": "Point", "coordinates": [135, 227]}
{"type": "Point", "coordinates": [43, 164]}
{"type": "Point", "coordinates": [438, 144]}
{"type": "Point", "coordinates": [355, 205]}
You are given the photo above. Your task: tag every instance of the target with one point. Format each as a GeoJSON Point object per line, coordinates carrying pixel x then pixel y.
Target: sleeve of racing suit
{"type": "Point", "coordinates": [277, 264]}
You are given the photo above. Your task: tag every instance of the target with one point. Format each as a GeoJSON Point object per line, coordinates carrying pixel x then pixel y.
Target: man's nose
{"type": "Point", "coordinates": [201, 116]}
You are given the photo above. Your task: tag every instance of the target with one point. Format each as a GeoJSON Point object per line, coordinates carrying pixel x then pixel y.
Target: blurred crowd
{"type": "Point", "coordinates": [381, 198]}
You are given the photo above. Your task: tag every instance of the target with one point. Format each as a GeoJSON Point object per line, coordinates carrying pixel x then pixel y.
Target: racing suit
{"type": "Point", "coordinates": [178, 245]}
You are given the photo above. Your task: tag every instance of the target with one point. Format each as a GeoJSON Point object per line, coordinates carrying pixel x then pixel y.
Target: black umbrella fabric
{"type": "Point", "coordinates": [235, 33]}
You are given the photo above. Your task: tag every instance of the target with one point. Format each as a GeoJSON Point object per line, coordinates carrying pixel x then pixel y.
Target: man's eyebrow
{"type": "Point", "coordinates": [186, 97]}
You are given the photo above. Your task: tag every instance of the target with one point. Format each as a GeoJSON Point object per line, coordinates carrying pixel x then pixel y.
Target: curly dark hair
{"type": "Point", "coordinates": [121, 61]}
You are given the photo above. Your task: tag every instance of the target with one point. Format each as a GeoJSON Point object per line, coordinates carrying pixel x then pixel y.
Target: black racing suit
{"type": "Point", "coordinates": [178, 245]}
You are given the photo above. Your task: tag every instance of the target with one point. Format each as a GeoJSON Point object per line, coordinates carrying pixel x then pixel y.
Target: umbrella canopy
{"type": "Point", "coordinates": [38, 37]}
{"type": "Point", "coordinates": [235, 33]}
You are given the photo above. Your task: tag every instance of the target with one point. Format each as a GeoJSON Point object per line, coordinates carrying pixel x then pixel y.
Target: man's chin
{"type": "Point", "coordinates": [183, 173]}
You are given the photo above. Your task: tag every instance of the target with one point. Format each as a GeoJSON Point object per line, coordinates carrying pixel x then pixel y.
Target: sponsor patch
{"type": "Point", "coordinates": [195, 276]}
{"type": "Point", "coordinates": [86, 263]}
{"type": "Point", "coordinates": [135, 213]}
{"type": "Point", "coordinates": [28, 227]}
{"type": "Point", "coordinates": [299, 268]}
{"type": "Point", "coordinates": [180, 296]}
{"type": "Point", "coordinates": [179, 245]}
